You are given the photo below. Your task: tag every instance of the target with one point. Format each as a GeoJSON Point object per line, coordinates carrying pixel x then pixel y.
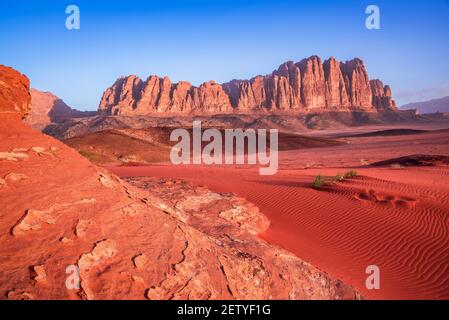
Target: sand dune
{"type": "Point", "coordinates": [415, 160]}
{"type": "Point", "coordinates": [152, 145]}
{"type": "Point", "coordinates": [400, 226]}
{"type": "Point", "coordinates": [390, 132]}
{"type": "Point", "coordinates": [393, 217]}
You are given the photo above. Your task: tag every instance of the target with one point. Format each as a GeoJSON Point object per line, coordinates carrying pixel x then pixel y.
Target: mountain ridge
{"type": "Point", "coordinates": [47, 109]}
{"type": "Point", "coordinates": [429, 106]}
{"type": "Point", "coordinates": [309, 85]}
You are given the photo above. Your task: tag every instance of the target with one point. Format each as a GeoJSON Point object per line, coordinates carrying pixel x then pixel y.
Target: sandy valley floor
{"type": "Point", "coordinates": [391, 216]}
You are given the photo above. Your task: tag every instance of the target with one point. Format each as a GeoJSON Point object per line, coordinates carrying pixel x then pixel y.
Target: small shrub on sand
{"type": "Point", "coordinates": [318, 182]}
{"type": "Point", "coordinates": [339, 178]}
{"type": "Point", "coordinates": [350, 174]}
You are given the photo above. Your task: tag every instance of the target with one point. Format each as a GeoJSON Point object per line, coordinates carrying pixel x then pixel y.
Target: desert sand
{"type": "Point", "coordinates": [392, 216]}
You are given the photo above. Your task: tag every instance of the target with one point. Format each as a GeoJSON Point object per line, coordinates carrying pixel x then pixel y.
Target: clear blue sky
{"type": "Point", "coordinates": [221, 40]}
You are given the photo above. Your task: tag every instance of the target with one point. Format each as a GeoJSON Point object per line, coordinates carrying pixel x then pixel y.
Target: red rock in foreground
{"type": "Point", "coordinates": [307, 86]}
{"type": "Point", "coordinates": [61, 212]}
{"type": "Point", "coordinates": [14, 92]}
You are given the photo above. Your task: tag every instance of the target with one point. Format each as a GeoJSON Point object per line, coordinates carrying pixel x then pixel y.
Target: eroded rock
{"type": "Point", "coordinates": [19, 294]}
{"type": "Point", "coordinates": [106, 180]}
{"type": "Point", "coordinates": [304, 86]}
{"type": "Point", "coordinates": [15, 177]}
{"type": "Point", "coordinates": [81, 227]}
{"type": "Point", "coordinates": [13, 156]}
{"type": "Point", "coordinates": [35, 219]}
{"type": "Point", "coordinates": [140, 261]}
{"type": "Point", "coordinates": [14, 92]}
{"type": "Point", "coordinates": [102, 251]}
{"type": "Point", "coordinates": [41, 275]}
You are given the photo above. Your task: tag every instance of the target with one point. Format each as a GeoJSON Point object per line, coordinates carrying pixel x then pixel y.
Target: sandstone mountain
{"type": "Point", "coordinates": [63, 218]}
{"type": "Point", "coordinates": [307, 86]}
{"type": "Point", "coordinates": [46, 109]}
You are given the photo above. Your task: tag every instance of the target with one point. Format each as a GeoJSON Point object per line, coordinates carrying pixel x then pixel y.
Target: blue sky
{"type": "Point", "coordinates": [221, 40]}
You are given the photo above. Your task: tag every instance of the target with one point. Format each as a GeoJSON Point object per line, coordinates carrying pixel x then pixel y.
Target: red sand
{"type": "Point", "coordinates": [397, 219]}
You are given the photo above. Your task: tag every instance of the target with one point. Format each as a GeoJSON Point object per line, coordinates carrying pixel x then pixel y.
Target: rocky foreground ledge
{"type": "Point", "coordinates": [141, 239]}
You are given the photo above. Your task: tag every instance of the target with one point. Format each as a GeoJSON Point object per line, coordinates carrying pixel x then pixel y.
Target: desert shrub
{"type": "Point", "coordinates": [350, 174]}
{"type": "Point", "coordinates": [339, 178]}
{"type": "Point", "coordinates": [318, 182]}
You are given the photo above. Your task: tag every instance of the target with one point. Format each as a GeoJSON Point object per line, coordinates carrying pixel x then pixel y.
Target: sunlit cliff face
{"type": "Point", "coordinates": [14, 92]}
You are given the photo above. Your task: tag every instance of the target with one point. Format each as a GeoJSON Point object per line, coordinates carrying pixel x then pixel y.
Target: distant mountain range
{"type": "Point", "coordinates": [46, 108]}
{"type": "Point", "coordinates": [303, 87]}
{"type": "Point", "coordinates": [431, 106]}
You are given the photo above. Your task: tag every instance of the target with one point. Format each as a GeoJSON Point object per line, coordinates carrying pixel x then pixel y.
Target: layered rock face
{"type": "Point", "coordinates": [131, 95]}
{"type": "Point", "coordinates": [307, 86]}
{"type": "Point", "coordinates": [15, 97]}
{"type": "Point", "coordinates": [71, 230]}
{"type": "Point", "coordinates": [382, 98]}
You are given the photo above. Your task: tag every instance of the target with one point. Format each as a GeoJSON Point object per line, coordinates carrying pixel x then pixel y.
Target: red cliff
{"type": "Point", "coordinates": [309, 85]}
{"type": "Point", "coordinates": [15, 97]}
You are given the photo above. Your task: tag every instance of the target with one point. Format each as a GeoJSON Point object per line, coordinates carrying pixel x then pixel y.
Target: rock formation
{"type": "Point", "coordinates": [14, 92]}
{"type": "Point", "coordinates": [158, 95]}
{"type": "Point", "coordinates": [307, 86]}
{"type": "Point", "coordinates": [382, 98]}
{"type": "Point", "coordinates": [46, 108]}
{"type": "Point", "coordinates": [71, 230]}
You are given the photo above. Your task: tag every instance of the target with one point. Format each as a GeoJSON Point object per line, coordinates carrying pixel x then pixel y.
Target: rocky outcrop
{"type": "Point", "coordinates": [336, 93]}
{"type": "Point", "coordinates": [46, 108]}
{"type": "Point", "coordinates": [357, 83]}
{"type": "Point", "coordinates": [70, 230]}
{"type": "Point", "coordinates": [131, 95]}
{"type": "Point", "coordinates": [307, 86]}
{"type": "Point", "coordinates": [14, 92]}
{"type": "Point", "coordinates": [311, 85]}
{"type": "Point", "coordinates": [382, 97]}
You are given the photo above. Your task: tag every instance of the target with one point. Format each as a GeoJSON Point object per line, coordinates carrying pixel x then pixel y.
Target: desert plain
{"type": "Point", "coordinates": [394, 215]}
